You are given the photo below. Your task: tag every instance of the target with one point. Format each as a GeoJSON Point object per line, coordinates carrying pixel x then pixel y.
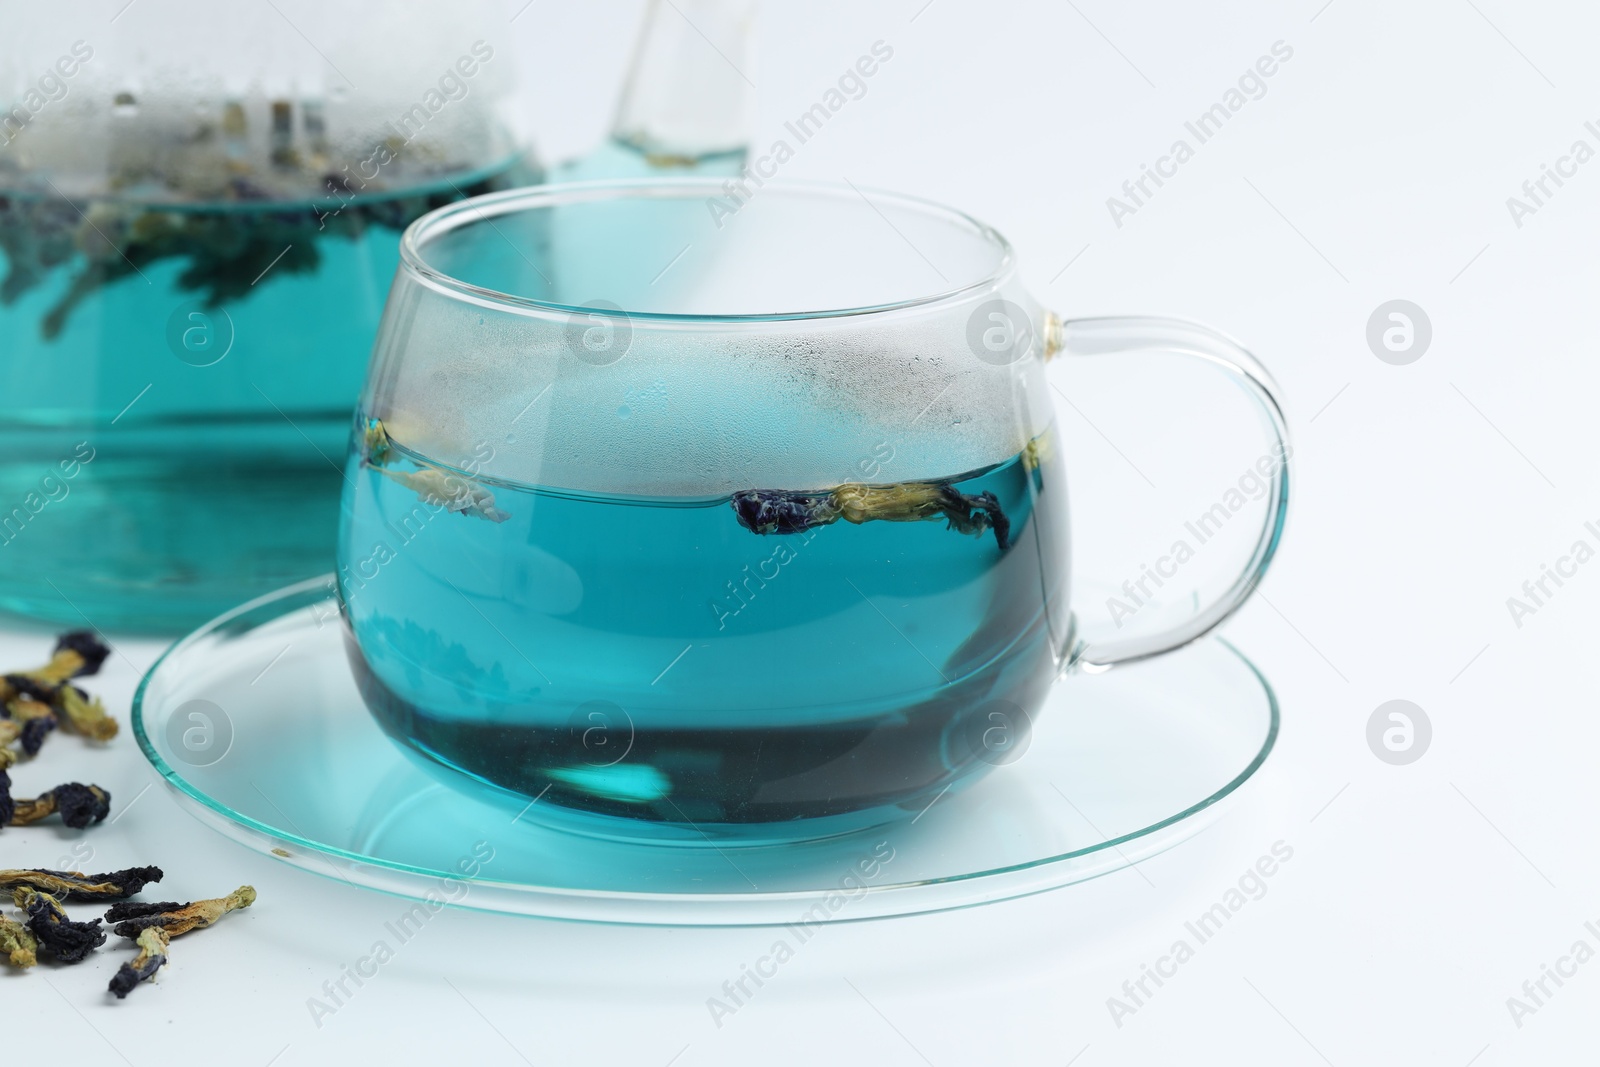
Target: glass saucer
{"type": "Point", "coordinates": [255, 722]}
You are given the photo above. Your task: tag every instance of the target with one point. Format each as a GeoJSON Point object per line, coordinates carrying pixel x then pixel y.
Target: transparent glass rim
{"type": "Point", "coordinates": [491, 206]}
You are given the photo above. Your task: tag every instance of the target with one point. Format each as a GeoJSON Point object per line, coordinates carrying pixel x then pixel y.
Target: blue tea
{"type": "Point", "coordinates": [773, 654]}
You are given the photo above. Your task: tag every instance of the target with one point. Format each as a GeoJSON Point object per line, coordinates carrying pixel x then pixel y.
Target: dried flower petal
{"type": "Point", "coordinates": [46, 692]}
{"type": "Point", "coordinates": [24, 686]}
{"type": "Point", "coordinates": [86, 646]}
{"type": "Point", "coordinates": [34, 732]}
{"type": "Point", "coordinates": [216, 255]}
{"type": "Point", "coordinates": [84, 714]}
{"type": "Point", "coordinates": [33, 722]}
{"type": "Point", "coordinates": [176, 918]}
{"type": "Point", "coordinates": [437, 486]}
{"type": "Point", "coordinates": [769, 511]}
{"type": "Point", "coordinates": [450, 490]}
{"type": "Point", "coordinates": [18, 942]}
{"type": "Point", "coordinates": [77, 653]}
{"type": "Point", "coordinates": [23, 708]}
{"type": "Point", "coordinates": [8, 807]}
{"type": "Point", "coordinates": [78, 804]}
{"type": "Point", "coordinates": [374, 443]}
{"type": "Point", "coordinates": [73, 886]}
{"type": "Point", "coordinates": [67, 941]}
{"type": "Point", "coordinates": [48, 689]}
{"type": "Point", "coordinates": [153, 944]}
{"type": "Point", "coordinates": [1037, 451]}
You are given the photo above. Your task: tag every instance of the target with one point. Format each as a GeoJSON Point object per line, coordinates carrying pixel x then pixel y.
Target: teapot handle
{"type": "Point", "coordinates": [1125, 335]}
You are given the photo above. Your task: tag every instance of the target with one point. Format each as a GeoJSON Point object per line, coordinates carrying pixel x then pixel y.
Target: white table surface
{"type": "Point", "coordinates": [1419, 897]}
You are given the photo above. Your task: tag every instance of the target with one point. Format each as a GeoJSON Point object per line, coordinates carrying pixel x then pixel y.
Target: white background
{"type": "Point", "coordinates": [1419, 898]}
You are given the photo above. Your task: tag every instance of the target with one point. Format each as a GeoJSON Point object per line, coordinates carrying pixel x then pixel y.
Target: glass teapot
{"type": "Point", "coordinates": [200, 211]}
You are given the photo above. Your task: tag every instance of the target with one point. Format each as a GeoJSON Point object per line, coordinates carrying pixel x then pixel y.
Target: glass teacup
{"type": "Point", "coordinates": [690, 509]}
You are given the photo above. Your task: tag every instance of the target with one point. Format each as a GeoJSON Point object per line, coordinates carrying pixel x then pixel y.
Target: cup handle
{"type": "Point", "coordinates": [1123, 335]}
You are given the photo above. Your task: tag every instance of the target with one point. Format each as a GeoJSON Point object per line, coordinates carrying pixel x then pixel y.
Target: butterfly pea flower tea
{"type": "Point", "coordinates": [680, 746]}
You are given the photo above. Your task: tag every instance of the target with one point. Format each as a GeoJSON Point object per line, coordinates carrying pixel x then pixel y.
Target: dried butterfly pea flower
{"type": "Point", "coordinates": [77, 654]}
{"type": "Point", "coordinates": [34, 732]}
{"type": "Point", "coordinates": [67, 941]}
{"type": "Point", "coordinates": [22, 685]}
{"type": "Point", "coordinates": [18, 943]}
{"type": "Point", "coordinates": [768, 511]}
{"type": "Point", "coordinates": [441, 488]}
{"type": "Point", "coordinates": [73, 886]}
{"type": "Point", "coordinates": [65, 704]}
{"type": "Point", "coordinates": [34, 721]}
{"type": "Point", "coordinates": [78, 804]}
{"type": "Point", "coordinates": [131, 916]}
{"type": "Point", "coordinates": [23, 708]}
{"type": "Point", "coordinates": [8, 807]}
{"type": "Point", "coordinates": [1037, 451]}
{"type": "Point", "coordinates": [449, 490]}
{"type": "Point", "coordinates": [84, 714]}
{"type": "Point", "coordinates": [89, 651]}
{"type": "Point", "coordinates": [217, 254]}
{"type": "Point", "coordinates": [153, 944]}
{"type": "Point", "coordinates": [47, 693]}
{"type": "Point", "coordinates": [374, 443]}
{"type": "Point", "coordinates": [175, 918]}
